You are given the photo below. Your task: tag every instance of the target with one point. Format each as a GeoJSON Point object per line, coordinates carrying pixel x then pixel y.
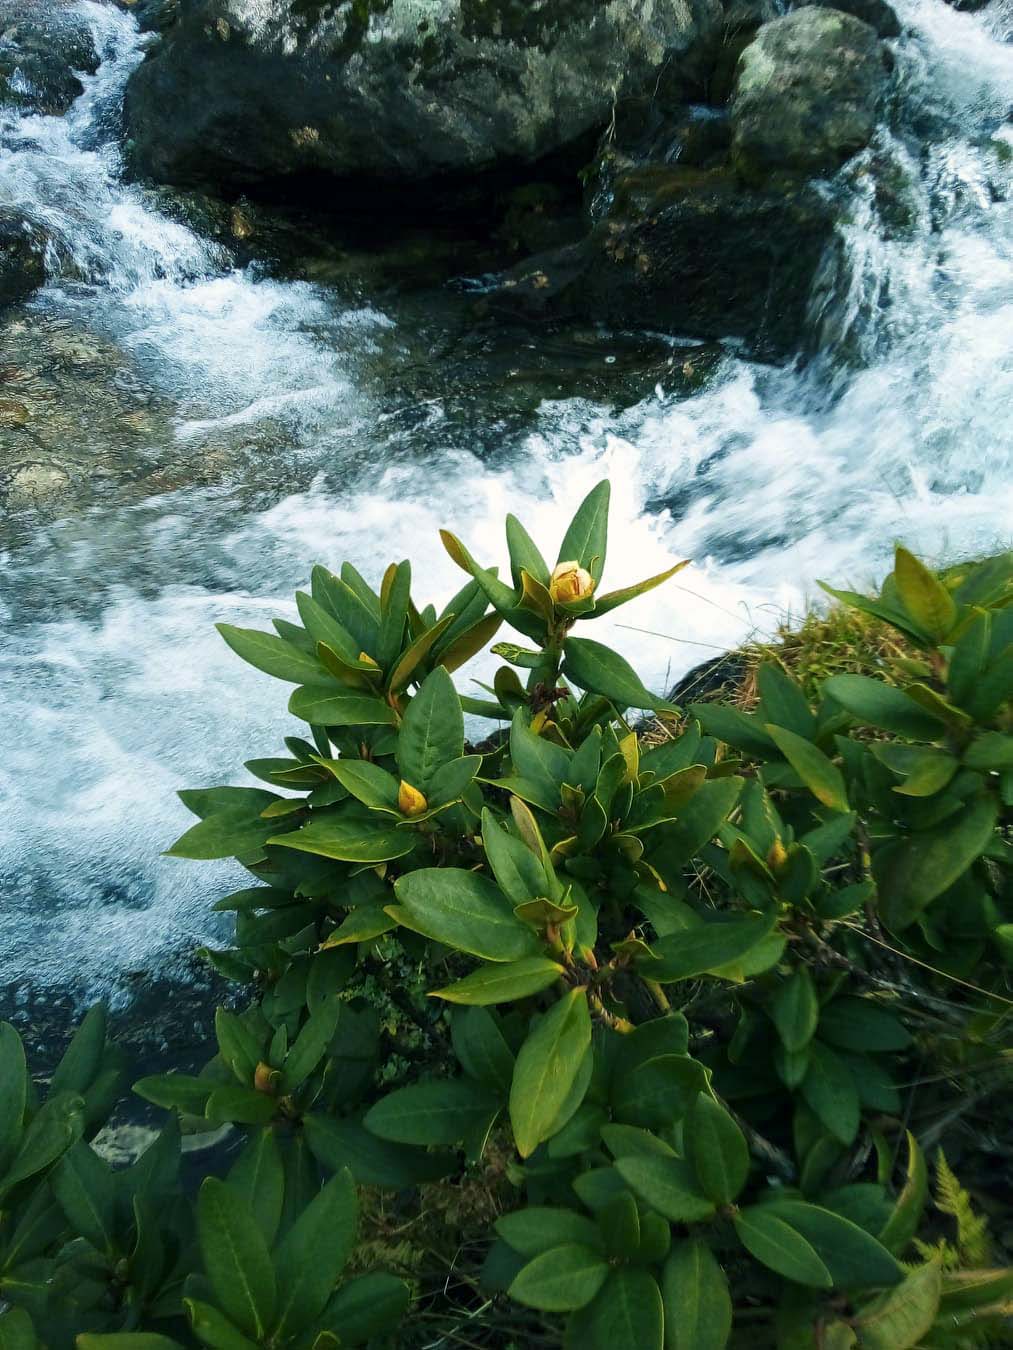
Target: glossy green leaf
{"type": "Point", "coordinates": [236, 1258]}
{"type": "Point", "coordinates": [854, 1257]}
{"type": "Point", "coordinates": [600, 670]}
{"type": "Point", "coordinates": [439, 1111]}
{"type": "Point", "coordinates": [561, 1279]}
{"type": "Point", "coordinates": [698, 1306]}
{"type": "Point", "coordinates": [628, 1312]}
{"type": "Point", "coordinates": [463, 910]}
{"type": "Point", "coordinates": [692, 951]}
{"type": "Point", "coordinates": [547, 1066]}
{"type": "Point", "coordinates": [922, 866]}
{"type": "Point", "coordinates": [273, 655]}
{"type": "Point", "coordinates": [366, 1307]}
{"type": "Point", "coordinates": [328, 706]}
{"type": "Point", "coordinates": [350, 838]}
{"type": "Point", "coordinates": [924, 596]}
{"type": "Point", "coordinates": [539, 1228]}
{"type": "Point", "coordinates": [586, 537]}
{"type": "Point", "coordinates": [312, 1255]}
{"type": "Point", "coordinates": [432, 730]}
{"type": "Point", "coordinates": [906, 1217]}
{"type": "Point", "coordinates": [311, 1044]}
{"type": "Point", "coordinates": [84, 1188]}
{"type": "Point", "coordinates": [899, 1319]}
{"type": "Point", "coordinates": [795, 1011]}
{"type": "Point", "coordinates": [852, 1023]}
{"type": "Point", "coordinates": [821, 777]}
{"type": "Point", "coordinates": [503, 983]}
{"type": "Point", "coordinates": [13, 1091]}
{"type": "Point", "coordinates": [780, 1248]}
{"type": "Point", "coordinates": [876, 704]}
{"type": "Point", "coordinates": [717, 1150]}
{"type": "Point", "coordinates": [667, 1185]}
{"type": "Point", "coordinates": [829, 1089]}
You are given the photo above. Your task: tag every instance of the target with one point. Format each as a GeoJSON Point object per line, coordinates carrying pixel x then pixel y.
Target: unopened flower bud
{"type": "Point", "coordinates": [264, 1078]}
{"type": "Point", "coordinates": [570, 582]}
{"type": "Point", "coordinates": [410, 800]}
{"type": "Point", "coordinates": [777, 855]}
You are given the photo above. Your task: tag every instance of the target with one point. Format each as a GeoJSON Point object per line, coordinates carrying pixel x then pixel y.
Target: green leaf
{"type": "Point", "coordinates": [311, 1044]}
{"type": "Point", "coordinates": [899, 1319]}
{"type": "Point", "coordinates": [524, 553]}
{"type": "Point", "coordinates": [371, 785]}
{"type": "Point", "coordinates": [215, 1330]}
{"type": "Point", "coordinates": [821, 777]}
{"type": "Point", "coordinates": [273, 655]}
{"type": "Point", "coordinates": [313, 1253]}
{"type": "Point", "coordinates": [906, 1217]}
{"type": "Point", "coordinates": [854, 1257]}
{"type": "Point", "coordinates": [519, 873]}
{"type": "Point", "coordinates": [876, 704]}
{"type": "Point", "coordinates": [17, 1333]}
{"type": "Point", "coordinates": [698, 1306]}
{"type": "Point", "coordinates": [667, 1185]}
{"type": "Point", "coordinates": [57, 1125]}
{"type": "Point", "coordinates": [700, 819]}
{"type": "Point", "coordinates": [440, 1111]}
{"type": "Point", "coordinates": [924, 865]}
{"type": "Point", "coordinates": [600, 670]}
{"type": "Point", "coordinates": [236, 1258]}
{"type": "Point", "coordinates": [795, 1010]}
{"type": "Point", "coordinates": [349, 838]}
{"type": "Point", "coordinates": [414, 655]}
{"type": "Point", "coordinates": [693, 951]}
{"type": "Point", "coordinates": [259, 1175]}
{"type": "Point", "coordinates": [329, 706]}
{"type": "Point", "coordinates": [830, 1090]}
{"type": "Point", "coordinates": [778, 1246]}
{"type": "Point", "coordinates": [990, 752]}
{"type": "Point", "coordinates": [481, 1049]}
{"type": "Point", "coordinates": [586, 537]}
{"type": "Point", "coordinates": [502, 983]}
{"type": "Point", "coordinates": [432, 730]}
{"type": "Point", "coordinates": [537, 759]}
{"type": "Point", "coordinates": [226, 834]}
{"type": "Point", "coordinates": [924, 596]}
{"type": "Point", "coordinates": [628, 1312]}
{"type": "Point", "coordinates": [84, 1188]}
{"type": "Point", "coordinates": [240, 1106]}
{"type": "Point", "coordinates": [117, 1340]}
{"type": "Point", "coordinates": [362, 925]}
{"type": "Point", "coordinates": [546, 1068]}
{"type": "Point", "coordinates": [658, 1091]}
{"type": "Point", "coordinates": [371, 1160]}
{"type": "Point", "coordinates": [82, 1061]}
{"type": "Point", "coordinates": [394, 615]}
{"type": "Point", "coordinates": [858, 1024]}
{"type": "Point", "coordinates": [463, 910]}
{"type": "Point", "coordinates": [604, 604]}
{"type": "Point", "coordinates": [742, 730]}
{"type": "Point", "coordinates": [783, 701]}
{"type": "Point", "coordinates": [13, 1091]}
{"type": "Point", "coordinates": [366, 1307]}
{"type": "Point", "coordinates": [561, 1279]}
{"type": "Point", "coordinates": [538, 1229]}
{"type": "Point", "coordinates": [176, 1091]}
{"type": "Point", "coordinates": [717, 1150]}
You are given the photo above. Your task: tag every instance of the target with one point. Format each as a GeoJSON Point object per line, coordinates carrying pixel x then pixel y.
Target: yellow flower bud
{"type": "Point", "coordinates": [570, 582]}
{"type": "Point", "coordinates": [410, 800]}
{"type": "Point", "coordinates": [777, 855]}
{"type": "Point", "coordinates": [265, 1078]}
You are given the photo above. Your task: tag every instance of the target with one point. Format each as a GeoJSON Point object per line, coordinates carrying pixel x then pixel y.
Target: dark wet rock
{"type": "Point", "coordinates": [697, 252]}
{"type": "Point", "coordinates": [250, 92]}
{"type": "Point", "coordinates": [876, 13]}
{"type": "Point", "coordinates": [807, 93]}
{"type": "Point", "coordinates": [43, 48]}
{"type": "Point", "coordinates": [22, 261]}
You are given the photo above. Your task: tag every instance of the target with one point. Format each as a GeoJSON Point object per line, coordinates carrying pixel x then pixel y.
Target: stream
{"type": "Point", "coordinates": [234, 426]}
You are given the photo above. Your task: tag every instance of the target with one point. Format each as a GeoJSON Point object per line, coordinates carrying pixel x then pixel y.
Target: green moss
{"type": "Point", "coordinates": [529, 23]}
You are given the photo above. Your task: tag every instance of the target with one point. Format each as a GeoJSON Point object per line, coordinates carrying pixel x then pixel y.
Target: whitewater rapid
{"type": "Point", "coordinates": [114, 688]}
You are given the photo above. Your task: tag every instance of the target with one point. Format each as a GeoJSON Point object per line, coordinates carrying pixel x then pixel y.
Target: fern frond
{"type": "Point", "coordinates": [973, 1243]}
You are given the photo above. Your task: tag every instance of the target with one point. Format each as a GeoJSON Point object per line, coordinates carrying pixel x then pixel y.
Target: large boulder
{"type": "Point", "coordinates": [692, 251]}
{"type": "Point", "coordinates": [22, 265]}
{"type": "Point", "coordinates": [807, 93]}
{"type": "Point", "coordinates": [44, 47]}
{"type": "Point", "coordinates": [247, 92]}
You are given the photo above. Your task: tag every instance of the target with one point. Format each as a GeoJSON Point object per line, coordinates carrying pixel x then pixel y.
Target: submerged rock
{"type": "Point", "coordinates": [22, 265]}
{"type": "Point", "coordinates": [877, 14]}
{"type": "Point", "coordinates": [807, 93]}
{"type": "Point", "coordinates": [242, 92]}
{"type": "Point", "coordinates": [689, 251]}
{"type": "Point", "coordinates": [43, 49]}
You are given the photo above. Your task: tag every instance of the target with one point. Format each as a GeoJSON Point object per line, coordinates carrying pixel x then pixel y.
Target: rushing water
{"type": "Point", "coordinates": [249, 429]}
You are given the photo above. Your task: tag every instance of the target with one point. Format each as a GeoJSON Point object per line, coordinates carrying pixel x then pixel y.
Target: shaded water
{"type": "Point", "coordinates": [223, 429]}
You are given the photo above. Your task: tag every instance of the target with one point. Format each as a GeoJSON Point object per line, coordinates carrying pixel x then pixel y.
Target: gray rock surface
{"type": "Point", "coordinates": [242, 92]}
{"type": "Point", "coordinates": [807, 93]}
{"type": "Point", "coordinates": [43, 47]}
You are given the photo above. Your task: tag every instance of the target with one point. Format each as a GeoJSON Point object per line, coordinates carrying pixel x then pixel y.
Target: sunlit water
{"type": "Point", "coordinates": [115, 690]}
